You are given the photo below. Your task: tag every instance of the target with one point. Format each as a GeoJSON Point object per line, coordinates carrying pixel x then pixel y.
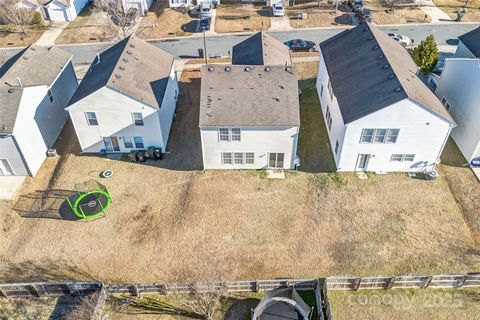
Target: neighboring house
{"type": "Point", "coordinates": [458, 87]}
{"type": "Point", "coordinates": [249, 116]}
{"type": "Point", "coordinates": [56, 10]}
{"type": "Point", "coordinates": [35, 87]}
{"type": "Point", "coordinates": [261, 49]}
{"type": "Point", "coordinates": [127, 99]}
{"type": "Point", "coordinates": [379, 113]}
{"type": "Point", "coordinates": [141, 5]}
{"type": "Point", "coordinates": [269, 3]}
{"type": "Point", "coordinates": [179, 3]}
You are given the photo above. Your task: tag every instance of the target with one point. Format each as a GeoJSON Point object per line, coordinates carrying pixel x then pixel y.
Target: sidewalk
{"type": "Point", "coordinates": [48, 37]}
{"type": "Point", "coordinates": [435, 13]}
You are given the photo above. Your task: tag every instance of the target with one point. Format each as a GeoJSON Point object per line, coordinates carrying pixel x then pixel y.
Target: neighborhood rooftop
{"type": "Point", "coordinates": [133, 67]}
{"type": "Point", "coordinates": [376, 74]}
{"type": "Point", "coordinates": [249, 96]}
{"type": "Point", "coordinates": [27, 69]}
{"type": "Point", "coordinates": [34, 66]}
{"type": "Point", "coordinates": [261, 49]}
{"type": "Point", "coordinates": [472, 41]}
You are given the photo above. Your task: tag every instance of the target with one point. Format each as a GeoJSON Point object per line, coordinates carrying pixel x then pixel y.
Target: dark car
{"type": "Point", "coordinates": [364, 14]}
{"type": "Point", "coordinates": [204, 24]}
{"type": "Point", "coordinates": [299, 45]}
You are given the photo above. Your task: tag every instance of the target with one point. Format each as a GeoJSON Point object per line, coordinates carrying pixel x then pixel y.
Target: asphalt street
{"type": "Point", "coordinates": [445, 34]}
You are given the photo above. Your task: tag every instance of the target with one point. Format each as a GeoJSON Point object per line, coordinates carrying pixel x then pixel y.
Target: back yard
{"type": "Point", "coordinates": [171, 221]}
{"type": "Point", "coordinates": [242, 17]}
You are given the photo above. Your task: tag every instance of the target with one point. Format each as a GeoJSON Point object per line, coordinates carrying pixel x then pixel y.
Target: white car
{"type": "Point", "coordinates": [403, 40]}
{"type": "Point", "coordinates": [278, 10]}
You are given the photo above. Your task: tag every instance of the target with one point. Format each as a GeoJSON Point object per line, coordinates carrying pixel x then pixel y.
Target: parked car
{"type": "Point", "coordinates": [299, 45]}
{"type": "Point", "coordinates": [364, 14]}
{"type": "Point", "coordinates": [206, 10]}
{"type": "Point", "coordinates": [205, 24]}
{"type": "Point", "coordinates": [278, 10]}
{"type": "Point", "coordinates": [404, 40]}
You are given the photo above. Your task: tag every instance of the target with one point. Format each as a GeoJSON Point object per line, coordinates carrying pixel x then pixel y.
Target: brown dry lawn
{"type": "Point", "coordinates": [242, 17]}
{"type": "Point", "coordinates": [162, 21]}
{"type": "Point", "coordinates": [89, 26]}
{"type": "Point", "coordinates": [451, 8]}
{"type": "Point", "coordinates": [12, 36]}
{"type": "Point", "coordinates": [318, 17]}
{"type": "Point", "coordinates": [382, 14]}
{"type": "Point", "coordinates": [38, 308]}
{"type": "Point", "coordinates": [426, 304]}
{"type": "Point", "coordinates": [171, 221]}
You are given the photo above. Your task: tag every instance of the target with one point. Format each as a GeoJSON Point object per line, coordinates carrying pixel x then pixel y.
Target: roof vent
{"type": "Point", "coordinates": [125, 60]}
{"type": "Point", "coordinates": [11, 90]}
{"type": "Point", "coordinates": [365, 29]}
{"type": "Point", "coordinates": [129, 52]}
{"type": "Point", "coordinates": [370, 37]}
{"type": "Point", "coordinates": [247, 69]}
{"type": "Point", "coordinates": [33, 48]}
{"type": "Point", "coordinates": [121, 68]}
{"type": "Point", "coordinates": [391, 76]}
{"type": "Point", "coordinates": [288, 68]}
{"type": "Point", "coordinates": [386, 66]}
{"type": "Point", "coordinates": [227, 69]}
{"type": "Point", "coordinates": [25, 58]}
{"type": "Point", "coordinates": [118, 76]}
{"type": "Point", "coordinates": [267, 69]}
{"type": "Point", "coordinates": [380, 56]}
{"type": "Point", "coordinates": [376, 47]}
{"type": "Point", "coordinates": [210, 69]}
{"type": "Point", "coordinates": [276, 99]}
{"type": "Point", "coordinates": [398, 89]}
{"type": "Point", "coordinates": [132, 45]}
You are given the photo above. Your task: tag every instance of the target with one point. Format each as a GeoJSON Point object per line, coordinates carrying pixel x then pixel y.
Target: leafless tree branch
{"type": "Point", "coordinates": [117, 16]}
{"type": "Point", "coordinates": [11, 13]}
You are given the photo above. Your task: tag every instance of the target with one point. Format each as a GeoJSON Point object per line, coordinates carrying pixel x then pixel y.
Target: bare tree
{"type": "Point", "coordinates": [204, 302]}
{"type": "Point", "coordinates": [117, 16]}
{"type": "Point", "coordinates": [11, 13]}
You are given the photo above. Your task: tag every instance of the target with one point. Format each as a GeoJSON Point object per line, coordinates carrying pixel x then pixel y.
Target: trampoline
{"type": "Point", "coordinates": [90, 201]}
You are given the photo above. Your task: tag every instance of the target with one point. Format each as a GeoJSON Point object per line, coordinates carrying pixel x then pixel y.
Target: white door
{"type": "Point", "coordinates": [362, 162]}
{"type": "Point", "coordinates": [5, 168]}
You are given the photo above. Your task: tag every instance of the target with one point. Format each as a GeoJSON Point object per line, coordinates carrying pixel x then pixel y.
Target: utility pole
{"type": "Point", "coordinates": [205, 47]}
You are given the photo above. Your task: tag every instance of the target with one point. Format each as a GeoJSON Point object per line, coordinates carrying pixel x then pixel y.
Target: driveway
{"type": "Point", "coordinates": [280, 24]}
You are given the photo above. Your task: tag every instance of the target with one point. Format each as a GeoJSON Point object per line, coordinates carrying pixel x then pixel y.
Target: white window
{"type": "Point", "coordinates": [321, 90]}
{"type": "Point", "coordinates": [127, 142]}
{"type": "Point", "coordinates": [379, 135]}
{"type": "Point", "coordinates": [336, 147]}
{"type": "Point", "coordinates": [330, 89]}
{"type": "Point", "coordinates": [138, 142]}
{"type": "Point", "coordinates": [402, 157]}
{"type": "Point", "coordinates": [238, 157]}
{"type": "Point", "coordinates": [236, 134]}
{"type": "Point", "coordinates": [249, 158]}
{"type": "Point", "coordinates": [50, 95]}
{"type": "Point", "coordinates": [137, 118]}
{"type": "Point", "coordinates": [226, 158]}
{"type": "Point", "coordinates": [446, 104]}
{"type": "Point", "coordinates": [223, 134]}
{"type": "Point", "coordinates": [328, 117]}
{"type": "Point", "coordinates": [91, 118]}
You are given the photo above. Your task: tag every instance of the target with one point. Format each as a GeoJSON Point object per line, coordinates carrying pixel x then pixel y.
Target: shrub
{"type": "Point", "coordinates": [37, 18]}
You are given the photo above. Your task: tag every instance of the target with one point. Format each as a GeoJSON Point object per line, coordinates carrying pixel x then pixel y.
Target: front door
{"type": "Point", "coordinates": [362, 162]}
{"type": "Point", "coordinates": [5, 168]}
{"type": "Point", "coordinates": [275, 160]}
{"type": "Point", "coordinates": [111, 144]}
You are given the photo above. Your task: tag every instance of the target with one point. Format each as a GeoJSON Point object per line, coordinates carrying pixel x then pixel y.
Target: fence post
{"type": "Point", "coordinates": [3, 293]}
{"type": "Point", "coordinates": [390, 283]}
{"type": "Point", "coordinates": [357, 285]}
{"type": "Point", "coordinates": [427, 283]}
{"type": "Point", "coordinates": [38, 289]}
{"type": "Point", "coordinates": [136, 290]}
{"type": "Point", "coordinates": [257, 287]}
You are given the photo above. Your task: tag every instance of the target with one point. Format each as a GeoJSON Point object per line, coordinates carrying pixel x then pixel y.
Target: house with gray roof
{"type": "Point", "coordinates": [127, 99]}
{"type": "Point", "coordinates": [261, 49]}
{"type": "Point", "coordinates": [379, 113]}
{"type": "Point", "coordinates": [56, 10]}
{"type": "Point", "coordinates": [35, 87]}
{"type": "Point", "coordinates": [458, 87]}
{"type": "Point", "coordinates": [249, 116]}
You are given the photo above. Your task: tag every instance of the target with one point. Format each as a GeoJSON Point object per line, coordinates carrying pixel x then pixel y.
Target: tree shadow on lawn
{"type": "Point", "coordinates": [314, 147]}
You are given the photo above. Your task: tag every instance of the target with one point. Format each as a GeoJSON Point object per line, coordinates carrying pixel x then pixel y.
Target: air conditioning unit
{"type": "Point", "coordinates": [52, 153]}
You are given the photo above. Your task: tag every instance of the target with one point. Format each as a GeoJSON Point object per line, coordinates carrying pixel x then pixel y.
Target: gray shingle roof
{"type": "Point", "coordinates": [261, 96]}
{"type": "Point", "coordinates": [261, 49]}
{"type": "Point", "coordinates": [33, 66]}
{"type": "Point", "coordinates": [472, 41]}
{"type": "Point", "coordinates": [133, 67]}
{"type": "Point", "coordinates": [369, 71]}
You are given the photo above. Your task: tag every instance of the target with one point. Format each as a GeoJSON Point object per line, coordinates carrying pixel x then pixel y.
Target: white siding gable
{"type": "Point", "coordinates": [114, 114]}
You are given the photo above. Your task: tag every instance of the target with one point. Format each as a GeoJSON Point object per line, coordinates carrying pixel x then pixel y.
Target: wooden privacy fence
{"type": "Point", "coordinates": [332, 283]}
